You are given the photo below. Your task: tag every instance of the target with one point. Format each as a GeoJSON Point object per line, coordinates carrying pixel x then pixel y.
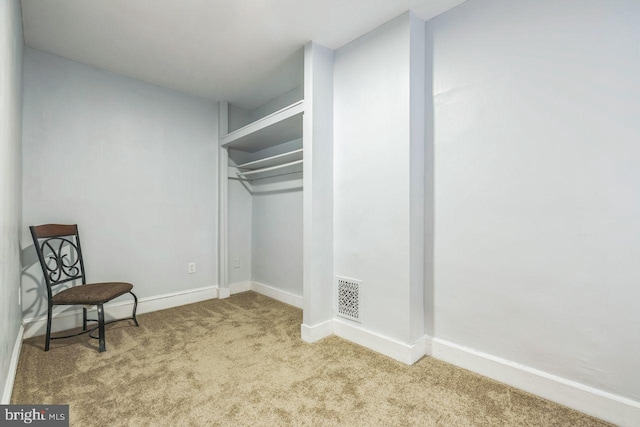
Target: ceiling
{"type": "Point", "coordinates": [243, 51]}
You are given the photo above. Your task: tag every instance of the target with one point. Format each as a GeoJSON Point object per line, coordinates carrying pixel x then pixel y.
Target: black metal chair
{"type": "Point", "coordinates": [60, 255]}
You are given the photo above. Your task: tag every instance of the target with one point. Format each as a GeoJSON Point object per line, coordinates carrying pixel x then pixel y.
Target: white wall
{"type": "Point", "coordinates": [134, 164]}
{"type": "Point", "coordinates": [239, 232]}
{"type": "Point", "coordinates": [429, 286]}
{"type": "Point", "coordinates": [11, 51]}
{"type": "Point", "coordinates": [537, 207]}
{"type": "Point", "coordinates": [276, 256]}
{"type": "Point", "coordinates": [317, 199]}
{"type": "Point", "coordinates": [238, 117]}
{"type": "Point", "coordinates": [378, 185]}
{"type": "Point", "coordinates": [276, 104]}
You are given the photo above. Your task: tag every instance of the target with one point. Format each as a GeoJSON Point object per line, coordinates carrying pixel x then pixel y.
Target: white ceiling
{"type": "Point", "coordinates": [243, 51]}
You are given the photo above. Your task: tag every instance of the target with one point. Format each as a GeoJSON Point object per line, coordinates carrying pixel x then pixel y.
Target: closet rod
{"type": "Point", "coordinates": [271, 168]}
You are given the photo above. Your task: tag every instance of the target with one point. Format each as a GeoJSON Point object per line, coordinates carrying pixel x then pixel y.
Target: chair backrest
{"type": "Point", "coordinates": [59, 252]}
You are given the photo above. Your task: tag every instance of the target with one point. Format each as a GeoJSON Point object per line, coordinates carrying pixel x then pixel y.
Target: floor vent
{"type": "Point", "coordinates": [349, 298]}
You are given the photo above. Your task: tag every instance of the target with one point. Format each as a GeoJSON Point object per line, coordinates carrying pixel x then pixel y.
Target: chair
{"type": "Point", "coordinates": [60, 255]}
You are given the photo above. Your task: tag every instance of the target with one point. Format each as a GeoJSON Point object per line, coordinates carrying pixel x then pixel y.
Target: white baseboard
{"type": "Point", "coordinates": [236, 288]}
{"type": "Point", "coordinates": [402, 352]}
{"type": "Point", "coordinates": [71, 317]}
{"type": "Point", "coordinates": [598, 403]}
{"type": "Point", "coordinates": [266, 290]}
{"type": "Point", "coordinates": [422, 347]}
{"type": "Point", "coordinates": [224, 293]}
{"type": "Point", "coordinates": [316, 332]}
{"type": "Point", "coordinates": [277, 294]}
{"type": "Point", "coordinates": [13, 366]}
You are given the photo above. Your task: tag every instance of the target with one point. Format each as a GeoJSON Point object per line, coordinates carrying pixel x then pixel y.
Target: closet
{"type": "Point", "coordinates": [265, 185]}
{"type": "Point", "coordinates": [275, 193]}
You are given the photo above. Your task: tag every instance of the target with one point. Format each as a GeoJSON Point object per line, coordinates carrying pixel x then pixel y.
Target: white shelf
{"type": "Point", "coordinates": [282, 126]}
{"type": "Point", "coordinates": [271, 171]}
{"type": "Point", "coordinates": [273, 160]}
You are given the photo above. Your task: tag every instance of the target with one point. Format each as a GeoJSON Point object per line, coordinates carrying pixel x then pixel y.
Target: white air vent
{"type": "Point", "coordinates": [348, 298]}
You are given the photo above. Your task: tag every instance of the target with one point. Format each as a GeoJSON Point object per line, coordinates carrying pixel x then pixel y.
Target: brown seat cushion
{"type": "Point", "coordinates": [91, 294]}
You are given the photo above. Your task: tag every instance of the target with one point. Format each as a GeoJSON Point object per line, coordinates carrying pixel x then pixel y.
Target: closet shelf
{"type": "Point", "coordinates": [271, 171]}
{"type": "Point", "coordinates": [273, 160]}
{"type": "Point", "coordinates": [281, 126]}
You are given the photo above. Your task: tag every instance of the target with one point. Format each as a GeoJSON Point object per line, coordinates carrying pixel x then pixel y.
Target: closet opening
{"type": "Point", "coordinates": [276, 195]}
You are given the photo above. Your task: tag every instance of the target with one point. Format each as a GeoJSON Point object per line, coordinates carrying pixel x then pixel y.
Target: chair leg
{"type": "Point", "coordinates": [135, 308]}
{"type": "Point", "coordinates": [48, 336]}
{"type": "Point", "coordinates": [101, 328]}
{"type": "Point", "coordinates": [84, 318]}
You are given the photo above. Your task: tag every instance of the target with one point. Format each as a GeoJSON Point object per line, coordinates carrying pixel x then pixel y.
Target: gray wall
{"type": "Point", "coordinates": [537, 207]}
{"type": "Point", "coordinates": [132, 163]}
{"type": "Point", "coordinates": [11, 50]}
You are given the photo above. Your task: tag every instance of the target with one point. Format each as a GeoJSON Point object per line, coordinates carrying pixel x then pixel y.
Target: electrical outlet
{"type": "Point", "coordinates": [236, 263]}
{"type": "Point", "coordinates": [192, 267]}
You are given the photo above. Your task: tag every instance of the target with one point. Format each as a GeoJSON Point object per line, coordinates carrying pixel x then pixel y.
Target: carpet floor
{"type": "Point", "coordinates": [240, 361]}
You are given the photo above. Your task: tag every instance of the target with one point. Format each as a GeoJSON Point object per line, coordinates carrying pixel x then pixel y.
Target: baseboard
{"type": "Point", "coordinates": [236, 288]}
{"type": "Point", "coordinates": [316, 332]}
{"type": "Point", "coordinates": [422, 347]}
{"type": "Point", "coordinates": [13, 366]}
{"type": "Point", "coordinates": [72, 316]}
{"type": "Point", "coordinates": [277, 294]}
{"type": "Point", "coordinates": [598, 403]}
{"type": "Point", "coordinates": [224, 293]}
{"type": "Point", "coordinates": [402, 352]}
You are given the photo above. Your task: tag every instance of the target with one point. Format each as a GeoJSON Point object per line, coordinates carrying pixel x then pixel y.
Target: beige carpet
{"type": "Point", "coordinates": [240, 361]}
